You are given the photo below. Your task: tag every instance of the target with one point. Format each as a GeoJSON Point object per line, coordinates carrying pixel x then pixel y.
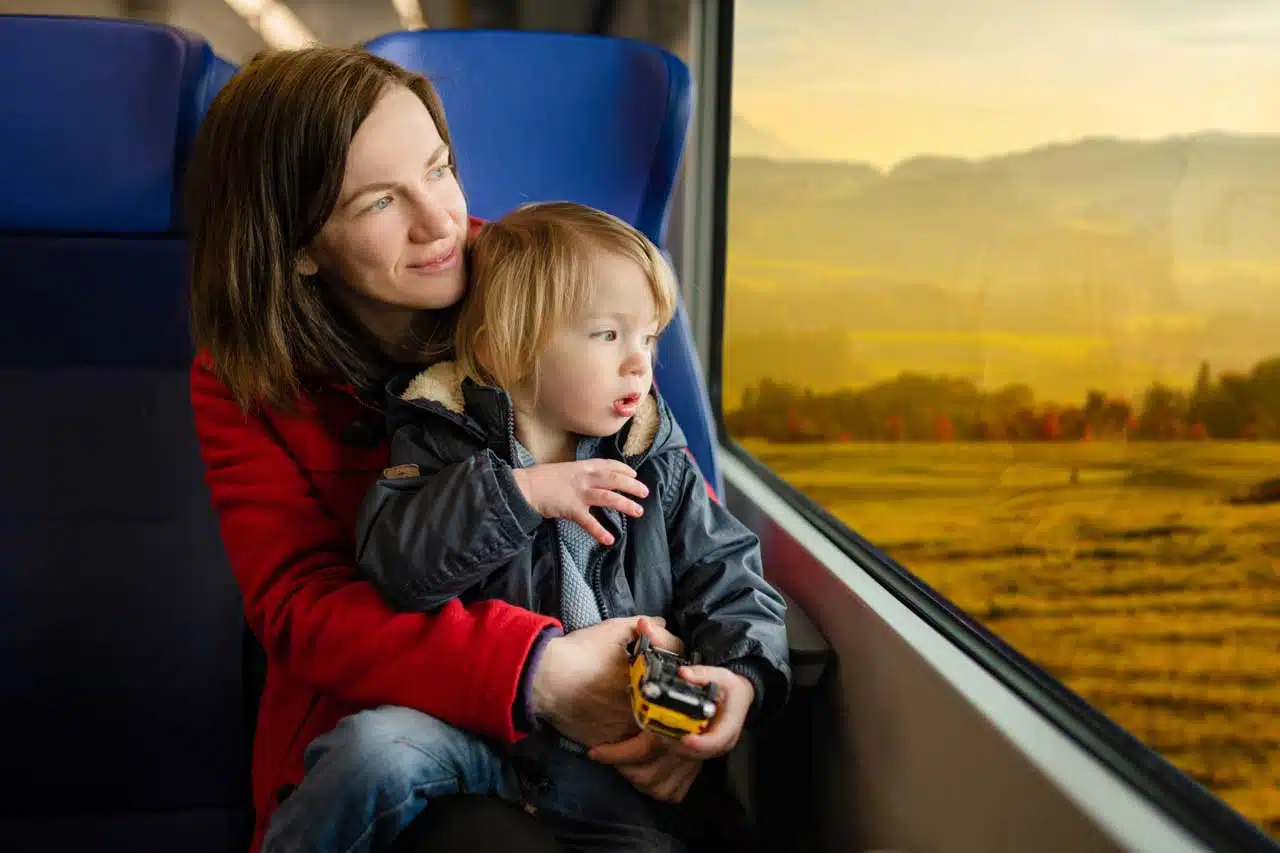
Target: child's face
{"type": "Point", "coordinates": [599, 366]}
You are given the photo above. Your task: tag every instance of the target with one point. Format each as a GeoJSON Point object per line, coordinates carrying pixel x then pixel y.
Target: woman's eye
{"type": "Point", "coordinates": [381, 204]}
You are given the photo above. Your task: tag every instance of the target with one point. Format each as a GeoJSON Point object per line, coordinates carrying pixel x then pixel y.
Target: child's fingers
{"type": "Point", "coordinates": [700, 675]}
{"type": "Point", "coordinates": [731, 711]}
{"type": "Point", "coordinates": [593, 527]}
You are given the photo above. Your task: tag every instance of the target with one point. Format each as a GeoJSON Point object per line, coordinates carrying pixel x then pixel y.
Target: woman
{"type": "Point", "coordinates": [327, 233]}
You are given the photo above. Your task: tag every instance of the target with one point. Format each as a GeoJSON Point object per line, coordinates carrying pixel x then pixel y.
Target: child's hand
{"type": "Point", "coordinates": [736, 696]}
{"type": "Point", "coordinates": [570, 489]}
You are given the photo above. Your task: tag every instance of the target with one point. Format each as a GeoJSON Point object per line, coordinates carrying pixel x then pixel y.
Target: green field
{"type": "Point", "coordinates": [1116, 567]}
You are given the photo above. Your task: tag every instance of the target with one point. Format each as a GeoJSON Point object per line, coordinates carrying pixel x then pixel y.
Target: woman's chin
{"type": "Point", "coordinates": [437, 293]}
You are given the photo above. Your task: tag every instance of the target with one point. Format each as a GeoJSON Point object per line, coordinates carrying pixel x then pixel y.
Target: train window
{"type": "Point", "coordinates": [1002, 285]}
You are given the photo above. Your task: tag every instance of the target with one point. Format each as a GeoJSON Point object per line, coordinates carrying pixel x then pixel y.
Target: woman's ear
{"type": "Point", "coordinates": [306, 264]}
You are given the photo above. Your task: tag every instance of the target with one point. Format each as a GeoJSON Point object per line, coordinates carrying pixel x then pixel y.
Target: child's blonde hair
{"type": "Point", "coordinates": [531, 272]}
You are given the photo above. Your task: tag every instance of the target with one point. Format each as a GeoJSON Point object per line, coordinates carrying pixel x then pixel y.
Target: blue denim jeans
{"type": "Point", "coordinates": [368, 778]}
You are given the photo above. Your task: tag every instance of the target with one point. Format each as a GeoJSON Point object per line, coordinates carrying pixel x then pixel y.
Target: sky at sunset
{"type": "Point", "coordinates": [883, 80]}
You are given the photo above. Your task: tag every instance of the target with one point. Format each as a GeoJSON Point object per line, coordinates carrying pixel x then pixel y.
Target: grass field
{"type": "Point", "coordinates": [1116, 567]}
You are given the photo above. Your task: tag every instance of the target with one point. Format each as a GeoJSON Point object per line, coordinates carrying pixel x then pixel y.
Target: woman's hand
{"type": "Point", "coordinates": [659, 636]}
{"type": "Point", "coordinates": [581, 683]}
{"type": "Point", "coordinates": [570, 489]}
{"type": "Point", "coordinates": [652, 764]}
{"type": "Point", "coordinates": [665, 768]}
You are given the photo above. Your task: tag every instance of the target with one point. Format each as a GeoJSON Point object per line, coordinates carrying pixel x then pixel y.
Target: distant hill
{"type": "Point", "coordinates": [747, 140]}
{"type": "Point", "coordinates": [1100, 260]}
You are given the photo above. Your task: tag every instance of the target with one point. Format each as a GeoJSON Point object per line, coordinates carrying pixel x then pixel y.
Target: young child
{"type": "Point", "coordinates": [513, 472]}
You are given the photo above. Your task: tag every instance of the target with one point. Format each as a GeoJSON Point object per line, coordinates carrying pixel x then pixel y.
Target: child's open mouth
{"type": "Point", "coordinates": [625, 407]}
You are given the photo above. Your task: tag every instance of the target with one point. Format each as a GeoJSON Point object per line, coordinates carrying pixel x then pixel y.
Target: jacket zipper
{"type": "Point", "coordinates": [593, 568]}
{"type": "Point", "coordinates": [593, 579]}
{"type": "Point", "coordinates": [513, 452]}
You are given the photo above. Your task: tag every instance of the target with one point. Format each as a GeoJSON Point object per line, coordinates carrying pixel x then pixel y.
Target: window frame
{"type": "Point", "coordinates": [1190, 804]}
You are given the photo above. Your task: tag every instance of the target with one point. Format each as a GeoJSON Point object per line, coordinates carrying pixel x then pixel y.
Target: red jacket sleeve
{"type": "Point", "coordinates": [321, 622]}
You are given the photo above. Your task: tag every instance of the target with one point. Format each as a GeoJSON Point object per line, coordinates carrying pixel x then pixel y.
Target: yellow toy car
{"type": "Point", "coordinates": [662, 701]}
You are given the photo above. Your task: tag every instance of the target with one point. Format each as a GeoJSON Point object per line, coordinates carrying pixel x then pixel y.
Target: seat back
{"type": "Point", "coordinates": [554, 116]}
{"type": "Point", "coordinates": [121, 629]}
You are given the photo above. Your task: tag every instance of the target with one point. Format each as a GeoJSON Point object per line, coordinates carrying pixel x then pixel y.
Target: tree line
{"type": "Point", "coordinates": [915, 407]}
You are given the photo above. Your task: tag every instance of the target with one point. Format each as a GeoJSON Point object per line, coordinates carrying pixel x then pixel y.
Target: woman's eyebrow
{"type": "Point", "coordinates": [441, 151]}
{"type": "Point", "coordinates": [368, 188]}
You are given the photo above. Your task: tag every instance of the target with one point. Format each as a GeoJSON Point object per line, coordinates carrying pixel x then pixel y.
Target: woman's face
{"type": "Point", "coordinates": [393, 245]}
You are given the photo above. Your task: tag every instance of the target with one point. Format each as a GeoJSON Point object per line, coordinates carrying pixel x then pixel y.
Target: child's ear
{"type": "Point", "coordinates": [482, 349]}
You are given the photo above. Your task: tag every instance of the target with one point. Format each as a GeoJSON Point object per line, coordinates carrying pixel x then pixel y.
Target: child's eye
{"type": "Point", "coordinates": [381, 204]}
{"type": "Point", "coordinates": [439, 172]}
{"type": "Point", "coordinates": [607, 335]}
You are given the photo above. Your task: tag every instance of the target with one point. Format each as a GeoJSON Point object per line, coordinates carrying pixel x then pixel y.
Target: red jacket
{"type": "Point", "coordinates": [286, 491]}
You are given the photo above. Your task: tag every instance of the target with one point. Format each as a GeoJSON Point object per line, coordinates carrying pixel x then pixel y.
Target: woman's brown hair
{"type": "Point", "coordinates": [264, 176]}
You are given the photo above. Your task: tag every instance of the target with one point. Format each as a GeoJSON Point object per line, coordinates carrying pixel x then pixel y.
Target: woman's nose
{"type": "Point", "coordinates": [431, 221]}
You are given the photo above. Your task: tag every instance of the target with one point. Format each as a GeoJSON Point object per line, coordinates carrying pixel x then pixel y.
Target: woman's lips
{"type": "Point", "coordinates": [438, 263]}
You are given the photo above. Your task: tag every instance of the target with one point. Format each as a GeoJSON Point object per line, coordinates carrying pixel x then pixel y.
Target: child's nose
{"type": "Point", "coordinates": [637, 363]}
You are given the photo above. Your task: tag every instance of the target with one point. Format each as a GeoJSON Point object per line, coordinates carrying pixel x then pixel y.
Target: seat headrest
{"type": "Point", "coordinates": [556, 116]}
{"type": "Point", "coordinates": [98, 116]}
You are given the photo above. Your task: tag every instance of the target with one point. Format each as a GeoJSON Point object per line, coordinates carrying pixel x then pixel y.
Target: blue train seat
{"type": "Point", "coordinates": [554, 116]}
{"type": "Point", "coordinates": [121, 631]}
